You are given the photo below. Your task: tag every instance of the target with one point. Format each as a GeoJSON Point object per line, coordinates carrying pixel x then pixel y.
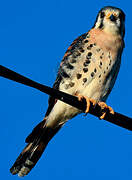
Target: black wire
{"type": "Point", "coordinates": [117, 118]}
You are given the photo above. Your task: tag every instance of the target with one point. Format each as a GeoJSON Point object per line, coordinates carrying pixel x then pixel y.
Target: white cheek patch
{"type": "Point", "coordinates": [99, 20]}
{"type": "Point", "coordinates": [118, 22]}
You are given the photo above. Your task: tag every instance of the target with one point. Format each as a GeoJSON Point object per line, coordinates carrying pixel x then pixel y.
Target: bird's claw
{"type": "Point", "coordinates": [88, 102]}
{"type": "Point", "coordinates": [106, 109]}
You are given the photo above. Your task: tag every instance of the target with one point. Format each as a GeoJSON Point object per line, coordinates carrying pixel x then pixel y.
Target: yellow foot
{"type": "Point", "coordinates": [88, 101]}
{"type": "Point", "coordinates": [106, 108]}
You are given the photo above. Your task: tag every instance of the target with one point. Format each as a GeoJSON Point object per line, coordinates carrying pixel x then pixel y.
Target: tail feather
{"type": "Point", "coordinates": [27, 159]}
{"type": "Point", "coordinates": [39, 130]}
{"type": "Point", "coordinates": [37, 142]}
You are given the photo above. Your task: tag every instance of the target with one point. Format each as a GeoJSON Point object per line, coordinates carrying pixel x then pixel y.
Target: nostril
{"type": "Point", "coordinates": [112, 18]}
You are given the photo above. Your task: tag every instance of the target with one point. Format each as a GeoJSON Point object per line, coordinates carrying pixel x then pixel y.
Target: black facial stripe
{"type": "Point", "coordinates": [102, 15]}
{"type": "Point", "coordinates": [122, 17]}
{"type": "Point", "coordinates": [101, 23]}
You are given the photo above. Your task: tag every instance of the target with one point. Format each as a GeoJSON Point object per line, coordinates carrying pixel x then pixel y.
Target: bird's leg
{"type": "Point", "coordinates": [106, 108]}
{"type": "Point", "coordinates": [88, 101]}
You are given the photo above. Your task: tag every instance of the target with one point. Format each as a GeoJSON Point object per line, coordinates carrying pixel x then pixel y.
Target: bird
{"type": "Point", "coordinates": [88, 70]}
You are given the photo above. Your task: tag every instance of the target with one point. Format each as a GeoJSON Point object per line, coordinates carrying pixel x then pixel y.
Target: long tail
{"type": "Point", "coordinates": [37, 142]}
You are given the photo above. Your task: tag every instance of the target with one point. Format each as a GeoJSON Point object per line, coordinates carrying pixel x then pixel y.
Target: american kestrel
{"type": "Point", "coordinates": [88, 70]}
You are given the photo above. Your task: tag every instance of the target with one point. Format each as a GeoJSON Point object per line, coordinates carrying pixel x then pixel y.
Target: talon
{"type": "Point", "coordinates": [88, 104]}
{"type": "Point", "coordinates": [80, 97]}
{"type": "Point", "coordinates": [94, 102]}
{"type": "Point", "coordinates": [88, 101]}
{"type": "Point", "coordinates": [103, 115]}
{"type": "Point", "coordinates": [111, 110]}
{"type": "Point", "coordinates": [105, 107]}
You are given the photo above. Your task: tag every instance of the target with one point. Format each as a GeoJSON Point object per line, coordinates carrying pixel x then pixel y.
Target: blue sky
{"type": "Point", "coordinates": [34, 36]}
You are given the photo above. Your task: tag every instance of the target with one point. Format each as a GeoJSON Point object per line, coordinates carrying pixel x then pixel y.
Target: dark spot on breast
{"type": "Point", "coordinates": [84, 80]}
{"type": "Point", "coordinates": [69, 66]}
{"type": "Point", "coordinates": [88, 57]}
{"type": "Point", "coordinates": [100, 65]}
{"type": "Point", "coordinates": [78, 54]}
{"type": "Point", "coordinates": [100, 76]}
{"type": "Point", "coordinates": [94, 44]}
{"type": "Point", "coordinates": [79, 76]}
{"type": "Point", "coordinates": [101, 57]}
{"type": "Point", "coordinates": [98, 50]}
{"type": "Point", "coordinates": [71, 84]}
{"type": "Point", "coordinates": [63, 74]}
{"type": "Point", "coordinates": [74, 56]}
{"type": "Point", "coordinates": [85, 64]}
{"type": "Point", "coordinates": [100, 81]}
{"type": "Point", "coordinates": [89, 54]}
{"type": "Point", "coordinates": [110, 63]}
{"type": "Point", "coordinates": [85, 70]}
{"type": "Point", "coordinates": [109, 56]}
{"type": "Point", "coordinates": [81, 49]}
{"type": "Point", "coordinates": [104, 72]}
{"type": "Point", "coordinates": [110, 60]}
{"type": "Point", "coordinates": [95, 70]}
{"type": "Point", "coordinates": [107, 67]}
{"type": "Point", "coordinates": [66, 86]}
{"type": "Point", "coordinates": [92, 74]}
{"type": "Point", "coordinates": [73, 61]}
{"type": "Point", "coordinates": [88, 61]}
{"type": "Point", "coordinates": [86, 41]}
{"type": "Point", "coordinates": [102, 54]}
{"type": "Point", "coordinates": [90, 46]}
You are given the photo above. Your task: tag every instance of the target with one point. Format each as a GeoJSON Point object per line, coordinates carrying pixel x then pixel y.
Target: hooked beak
{"type": "Point", "coordinates": [111, 16]}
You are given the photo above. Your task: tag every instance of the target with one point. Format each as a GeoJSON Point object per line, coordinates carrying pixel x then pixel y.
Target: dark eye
{"type": "Point", "coordinates": [102, 14]}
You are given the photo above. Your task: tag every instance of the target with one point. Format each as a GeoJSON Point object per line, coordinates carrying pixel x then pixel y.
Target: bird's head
{"type": "Point", "coordinates": [111, 20]}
